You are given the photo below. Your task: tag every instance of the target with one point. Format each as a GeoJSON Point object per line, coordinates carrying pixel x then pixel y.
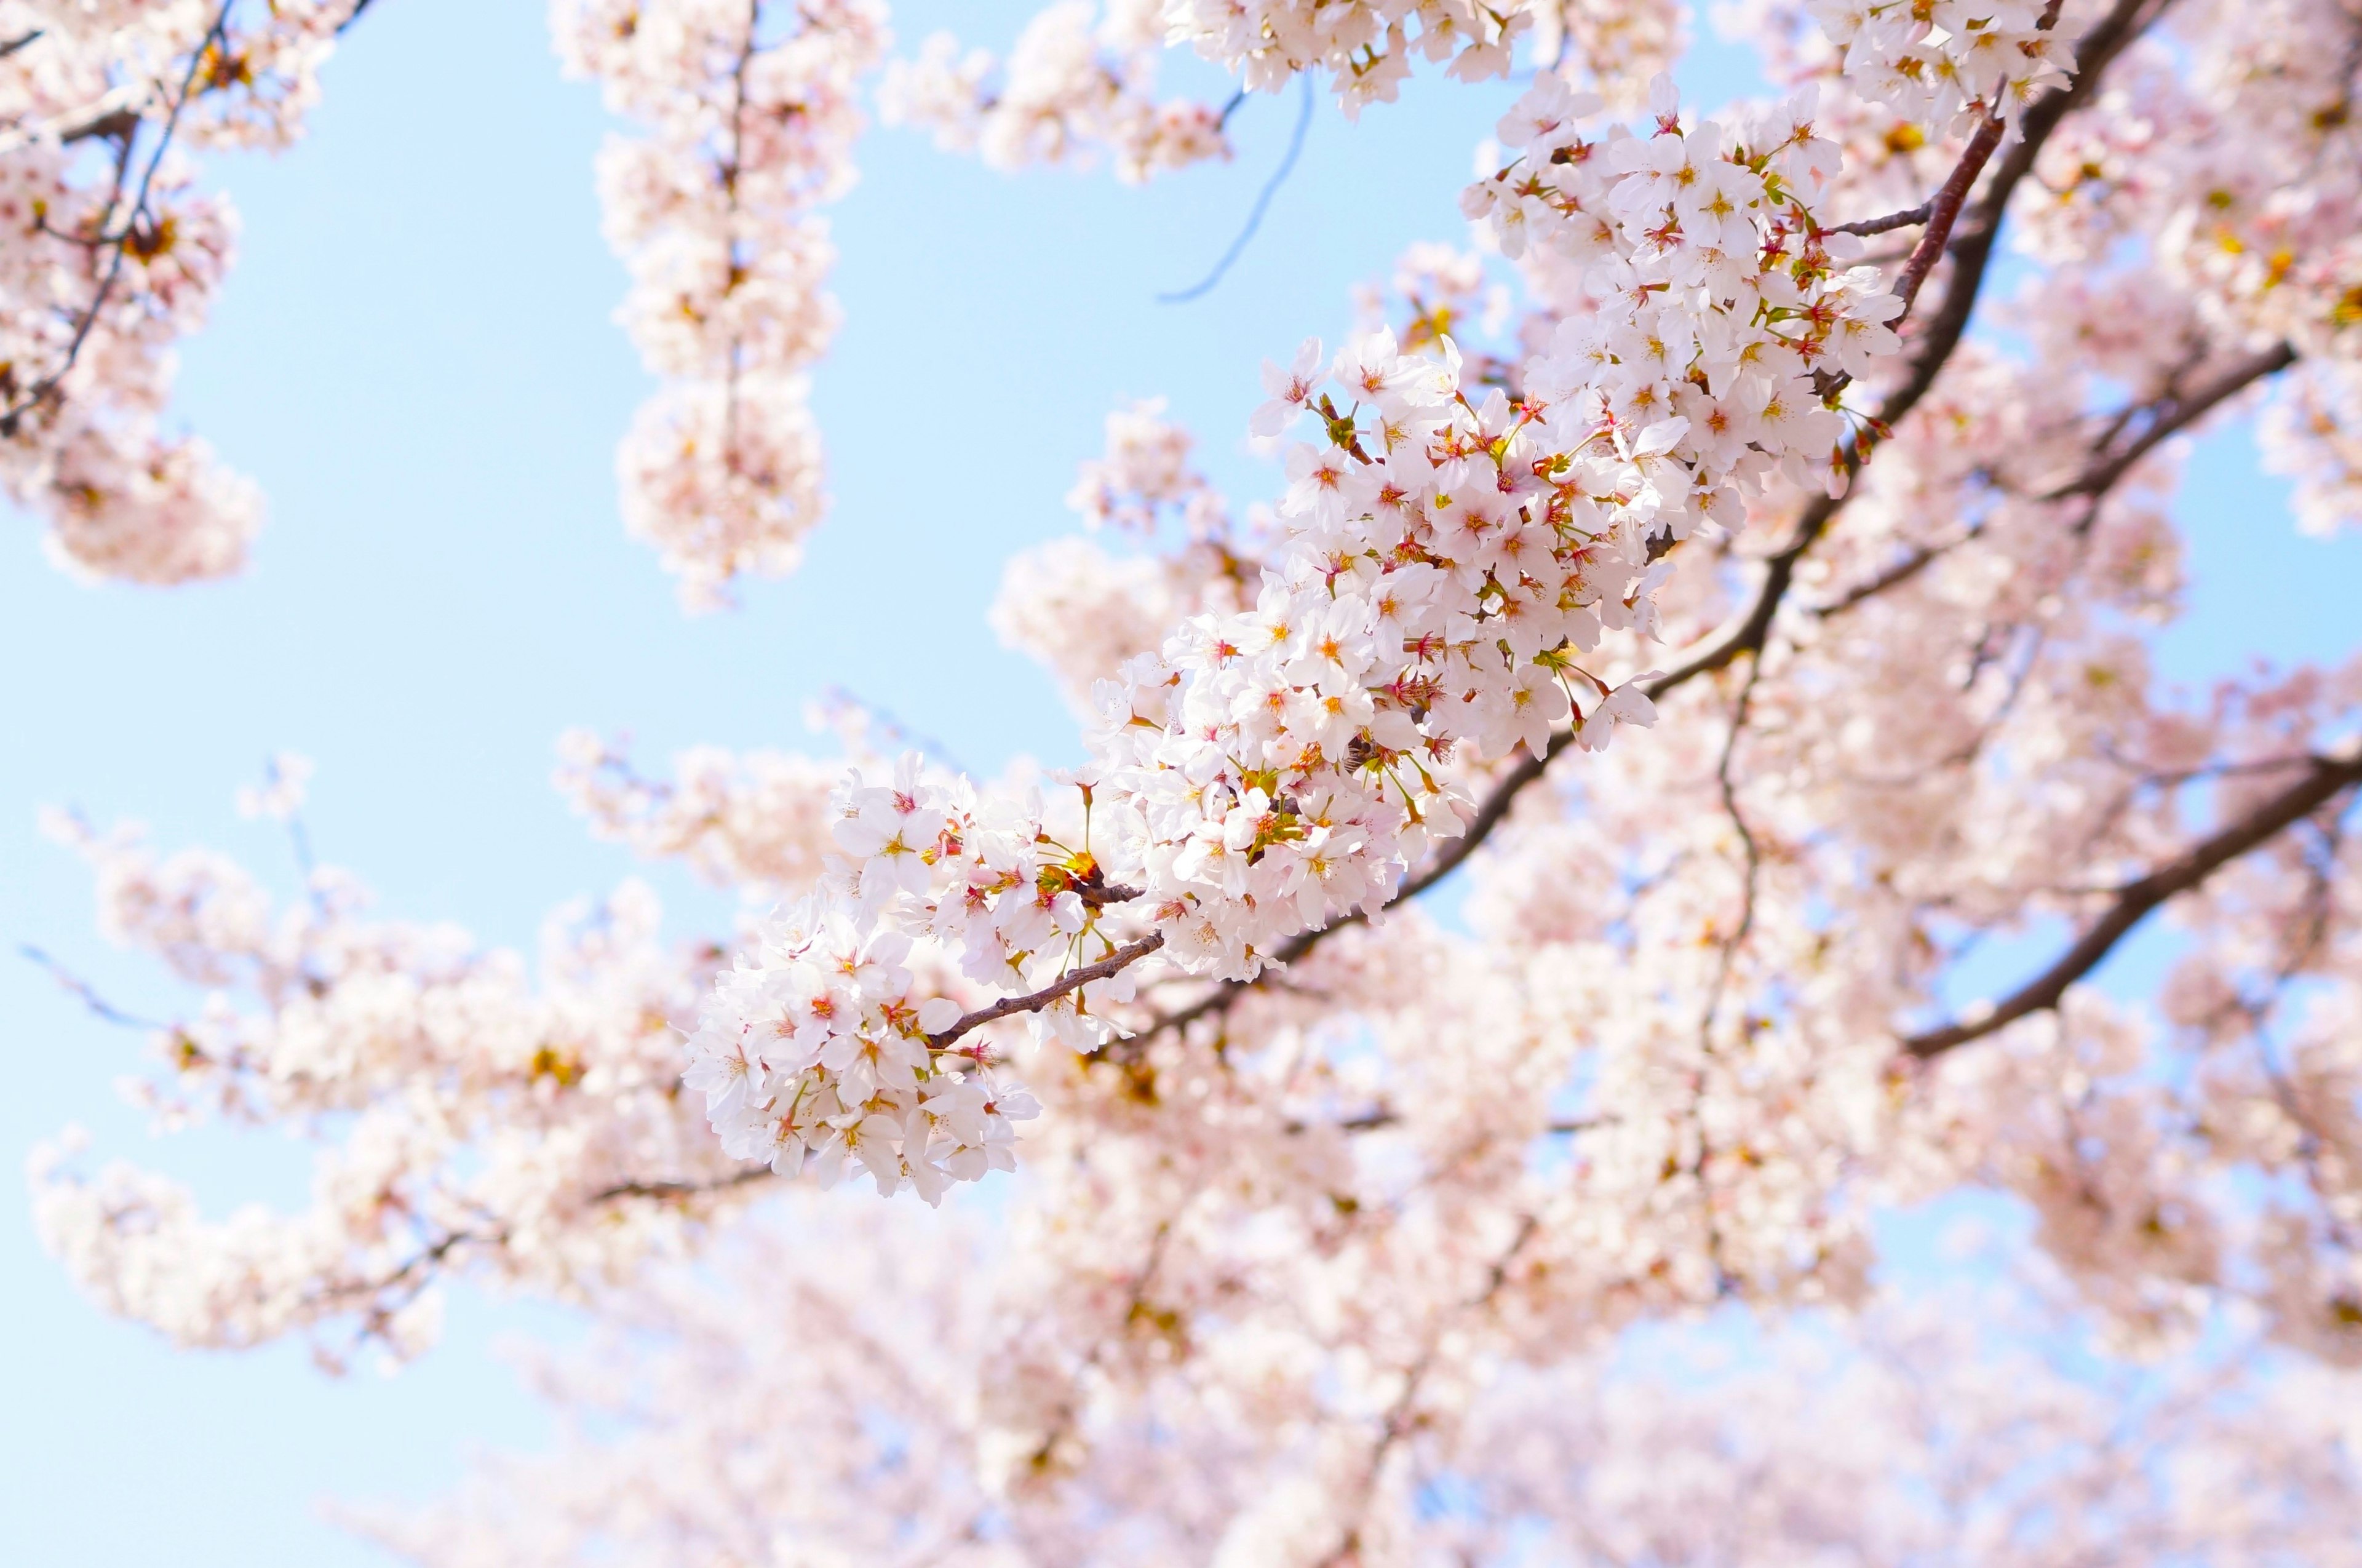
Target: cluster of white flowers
{"type": "Point", "coordinates": [1367, 45]}
{"type": "Point", "coordinates": [1944, 62]}
{"type": "Point", "coordinates": [1618, 47]}
{"type": "Point", "coordinates": [752, 113]}
{"type": "Point", "coordinates": [821, 1044]}
{"type": "Point", "coordinates": [2313, 434]}
{"type": "Point", "coordinates": [110, 257]}
{"type": "Point", "coordinates": [1075, 85]}
{"type": "Point", "coordinates": [463, 1114]}
{"type": "Point", "coordinates": [1081, 611]}
{"type": "Point", "coordinates": [1448, 562]}
{"type": "Point", "coordinates": [756, 820]}
{"type": "Point", "coordinates": [1146, 478]}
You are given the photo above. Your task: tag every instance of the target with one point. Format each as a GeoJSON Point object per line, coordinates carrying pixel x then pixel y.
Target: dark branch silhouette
{"type": "Point", "coordinates": [2323, 780]}
{"type": "Point", "coordinates": [1261, 201]}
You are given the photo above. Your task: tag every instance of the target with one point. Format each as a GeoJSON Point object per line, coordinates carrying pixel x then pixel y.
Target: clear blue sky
{"type": "Point", "coordinates": [415, 358]}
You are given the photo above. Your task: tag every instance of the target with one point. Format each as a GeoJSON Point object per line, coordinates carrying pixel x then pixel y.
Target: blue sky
{"type": "Point", "coordinates": [415, 358]}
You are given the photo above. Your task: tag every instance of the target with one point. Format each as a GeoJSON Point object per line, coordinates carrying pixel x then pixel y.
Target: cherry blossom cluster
{"type": "Point", "coordinates": [1366, 44]}
{"type": "Point", "coordinates": [1946, 1429]}
{"type": "Point", "coordinates": [465, 1116]}
{"type": "Point", "coordinates": [1075, 85]}
{"type": "Point", "coordinates": [112, 255]}
{"type": "Point", "coordinates": [1082, 611]}
{"type": "Point", "coordinates": [1615, 46]}
{"type": "Point", "coordinates": [1947, 63]}
{"type": "Point", "coordinates": [1447, 563]}
{"type": "Point", "coordinates": [754, 820]}
{"type": "Point", "coordinates": [2313, 434]}
{"type": "Point", "coordinates": [822, 1045]}
{"type": "Point", "coordinates": [751, 114]}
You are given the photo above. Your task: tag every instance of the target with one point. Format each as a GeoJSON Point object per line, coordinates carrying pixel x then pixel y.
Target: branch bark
{"type": "Point", "coordinates": [1072, 980]}
{"type": "Point", "coordinates": [680, 1188]}
{"type": "Point", "coordinates": [2175, 412]}
{"type": "Point", "coordinates": [2323, 780]}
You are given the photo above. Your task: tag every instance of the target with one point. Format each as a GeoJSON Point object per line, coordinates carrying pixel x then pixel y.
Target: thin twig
{"type": "Point", "coordinates": [680, 1188]}
{"type": "Point", "coordinates": [1747, 840]}
{"type": "Point", "coordinates": [81, 989]}
{"type": "Point", "coordinates": [1261, 201]}
{"type": "Point", "coordinates": [1891, 222]}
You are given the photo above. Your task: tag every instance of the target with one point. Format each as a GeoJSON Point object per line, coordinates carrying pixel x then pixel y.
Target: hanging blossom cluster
{"type": "Point", "coordinates": [756, 820]}
{"type": "Point", "coordinates": [1075, 85]}
{"type": "Point", "coordinates": [112, 255]}
{"type": "Point", "coordinates": [1615, 46]}
{"type": "Point", "coordinates": [1948, 63]}
{"type": "Point", "coordinates": [751, 114]}
{"type": "Point", "coordinates": [1080, 84]}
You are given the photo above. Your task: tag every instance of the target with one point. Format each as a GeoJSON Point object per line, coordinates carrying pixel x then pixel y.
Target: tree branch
{"type": "Point", "coordinates": [1891, 221]}
{"type": "Point", "coordinates": [2323, 780]}
{"type": "Point", "coordinates": [84, 992]}
{"type": "Point", "coordinates": [2176, 412]}
{"type": "Point", "coordinates": [1072, 980]}
{"type": "Point", "coordinates": [1944, 209]}
{"type": "Point", "coordinates": [680, 1188]}
{"type": "Point", "coordinates": [2171, 413]}
{"type": "Point", "coordinates": [1261, 201]}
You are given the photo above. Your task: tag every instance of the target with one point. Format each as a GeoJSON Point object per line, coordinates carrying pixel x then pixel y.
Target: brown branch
{"type": "Point", "coordinates": [1943, 207]}
{"type": "Point", "coordinates": [679, 1189]}
{"type": "Point", "coordinates": [1072, 980]}
{"type": "Point", "coordinates": [1380, 1117]}
{"type": "Point", "coordinates": [2171, 413]}
{"type": "Point", "coordinates": [2323, 780]}
{"type": "Point", "coordinates": [108, 125]}
{"type": "Point", "coordinates": [1891, 221]}
{"type": "Point", "coordinates": [2176, 412]}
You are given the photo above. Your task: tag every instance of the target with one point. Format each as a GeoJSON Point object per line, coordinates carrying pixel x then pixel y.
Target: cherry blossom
{"type": "Point", "coordinates": [1074, 86]}
{"type": "Point", "coordinates": [114, 254]}
{"type": "Point", "coordinates": [751, 112]}
{"type": "Point", "coordinates": [1226, 1196]}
